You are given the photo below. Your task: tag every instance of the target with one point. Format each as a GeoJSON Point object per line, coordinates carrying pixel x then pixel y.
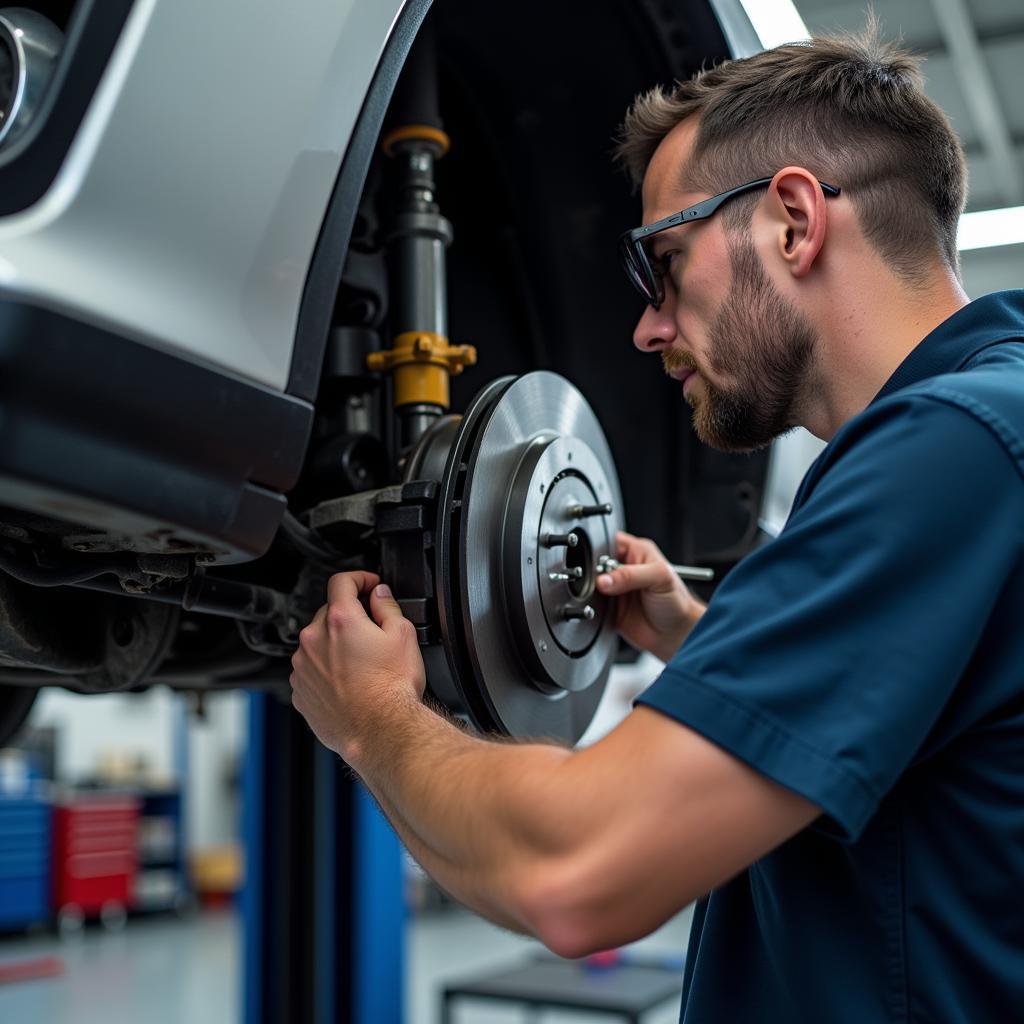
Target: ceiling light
{"type": "Point", "coordinates": [775, 21]}
{"type": "Point", "coordinates": [991, 227]}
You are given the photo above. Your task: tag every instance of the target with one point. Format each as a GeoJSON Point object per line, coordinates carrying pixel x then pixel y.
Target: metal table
{"type": "Point", "coordinates": [627, 990]}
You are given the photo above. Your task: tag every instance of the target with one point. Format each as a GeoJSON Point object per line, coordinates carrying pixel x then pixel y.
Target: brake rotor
{"type": "Point", "coordinates": [529, 502]}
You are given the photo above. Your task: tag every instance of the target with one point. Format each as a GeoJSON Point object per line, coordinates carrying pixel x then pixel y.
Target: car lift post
{"type": "Point", "coordinates": [323, 902]}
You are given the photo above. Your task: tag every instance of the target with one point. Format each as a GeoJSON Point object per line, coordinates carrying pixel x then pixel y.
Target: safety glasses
{"type": "Point", "coordinates": [645, 276]}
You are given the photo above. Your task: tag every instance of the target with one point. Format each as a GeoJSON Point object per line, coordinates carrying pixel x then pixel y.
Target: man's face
{"type": "Point", "coordinates": [742, 351]}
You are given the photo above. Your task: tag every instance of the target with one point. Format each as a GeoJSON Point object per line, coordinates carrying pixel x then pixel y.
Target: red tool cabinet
{"type": "Point", "coordinates": [95, 838]}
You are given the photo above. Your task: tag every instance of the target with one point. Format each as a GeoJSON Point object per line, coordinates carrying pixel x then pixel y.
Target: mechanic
{"type": "Point", "coordinates": [836, 752]}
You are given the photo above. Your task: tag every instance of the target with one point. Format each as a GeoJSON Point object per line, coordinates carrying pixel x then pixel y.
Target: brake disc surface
{"type": "Point", "coordinates": [529, 502]}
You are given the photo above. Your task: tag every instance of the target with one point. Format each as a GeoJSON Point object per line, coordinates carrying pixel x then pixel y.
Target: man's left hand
{"type": "Point", "coordinates": [350, 669]}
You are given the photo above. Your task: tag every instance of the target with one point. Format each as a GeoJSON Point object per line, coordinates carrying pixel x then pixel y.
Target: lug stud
{"type": "Point", "coordinates": [561, 540]}
{"type": "Point", "coordinates": [567, 574]}
{"type": "Point", "coordinates": [571, 612]}
{"type": "Point", "coordinates": [583, 511]}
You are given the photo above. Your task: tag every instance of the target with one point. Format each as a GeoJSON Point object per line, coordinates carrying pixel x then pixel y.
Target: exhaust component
{"type": "Point", "coordinates": [49, 632]}
{"type": "Point", "coordinates": [85, 644]}
{"type": "Point", "coordinates": [211, 595]}
{"type": "Point", "coordinates": [29, 47]}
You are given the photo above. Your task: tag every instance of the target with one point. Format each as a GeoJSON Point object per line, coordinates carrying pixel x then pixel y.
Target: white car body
{"type": "Point", "coordinates": [185, 214]}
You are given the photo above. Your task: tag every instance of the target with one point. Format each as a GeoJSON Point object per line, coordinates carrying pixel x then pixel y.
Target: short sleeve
{"type": "Point", "coordinates": [826, 657]}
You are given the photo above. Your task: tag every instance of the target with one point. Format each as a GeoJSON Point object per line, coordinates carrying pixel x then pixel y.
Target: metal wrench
{"type": "Point", "coordinates": [685, 572]}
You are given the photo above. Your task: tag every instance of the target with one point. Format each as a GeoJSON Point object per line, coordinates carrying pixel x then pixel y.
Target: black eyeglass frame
{"type": "Point", "coordinates": [637, 264]}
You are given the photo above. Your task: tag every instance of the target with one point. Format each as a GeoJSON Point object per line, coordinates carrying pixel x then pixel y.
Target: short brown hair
{"type": "Point", "coordinates": [851, 109]}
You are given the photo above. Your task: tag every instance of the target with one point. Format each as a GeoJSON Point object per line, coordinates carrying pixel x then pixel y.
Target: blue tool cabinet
{"type": "Point", "coordinates": [24, 861]}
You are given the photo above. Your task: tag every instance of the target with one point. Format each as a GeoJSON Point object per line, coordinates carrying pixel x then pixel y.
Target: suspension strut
{"type": "Point", "coordinates": [421, 359]}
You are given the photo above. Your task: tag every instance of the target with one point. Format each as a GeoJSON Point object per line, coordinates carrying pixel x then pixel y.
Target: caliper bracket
{"type": "Point", "coordinates": [406, 530]}
{"type": "Point", "coordinates": [403, 519]}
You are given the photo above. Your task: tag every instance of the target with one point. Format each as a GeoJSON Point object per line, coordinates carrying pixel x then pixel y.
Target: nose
{"type": "Point", "coordinates": [656, 328]}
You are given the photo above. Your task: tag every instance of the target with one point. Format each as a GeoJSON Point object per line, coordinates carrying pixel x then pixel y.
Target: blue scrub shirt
{"type": "Point", "coordinates": [871, 658]}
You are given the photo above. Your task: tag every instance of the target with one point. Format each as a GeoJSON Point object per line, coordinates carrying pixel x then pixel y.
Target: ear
{"type": "Point", "coordinates": [796, 206]}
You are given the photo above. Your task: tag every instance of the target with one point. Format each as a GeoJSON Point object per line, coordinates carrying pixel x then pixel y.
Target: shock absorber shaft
{"type": "Point", "coordinates": [418, 240]}
{"type": "Point", "coordinates": [420, 358]}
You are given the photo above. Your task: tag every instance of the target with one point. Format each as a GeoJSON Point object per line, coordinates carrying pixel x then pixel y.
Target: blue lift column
{"type": "Point", "coordinates": [323, 902]}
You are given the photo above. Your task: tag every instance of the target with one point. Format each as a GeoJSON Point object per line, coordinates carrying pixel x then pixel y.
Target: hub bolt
{"type": "Point", "coordinates": [571, 612]}
{"type": "Point", "coordinates": [561, 540]}
{"type": "Point", "coordinates": [583, 511]}
{"type": "Point", "coordinates": [569, 573]}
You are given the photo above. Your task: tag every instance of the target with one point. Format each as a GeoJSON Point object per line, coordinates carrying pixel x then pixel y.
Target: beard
{"type": "Point", "coordinates": [764, 348]}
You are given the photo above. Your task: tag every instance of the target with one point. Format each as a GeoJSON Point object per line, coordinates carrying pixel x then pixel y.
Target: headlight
{"type": "Point", "coordinates": [29, 45]}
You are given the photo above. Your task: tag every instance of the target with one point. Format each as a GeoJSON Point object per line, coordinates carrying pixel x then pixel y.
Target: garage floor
{"type": "Point", "coordinates": [163, 970]}
{"type": "Point", "coordinates": [160, 970]}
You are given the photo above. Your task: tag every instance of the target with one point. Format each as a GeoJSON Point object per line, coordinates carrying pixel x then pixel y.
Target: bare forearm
{"type": "Point", "coordinates": [475, 814]}
{"type": "Point", "coordinates": [445, 874]}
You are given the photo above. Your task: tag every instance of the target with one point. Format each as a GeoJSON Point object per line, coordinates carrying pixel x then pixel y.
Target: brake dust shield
{"type": "Point", "coordinates": [528, 504]}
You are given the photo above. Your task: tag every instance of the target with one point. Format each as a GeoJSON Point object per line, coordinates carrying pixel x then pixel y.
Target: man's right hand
{"type": "Point", "coordinates": [656, 611]}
